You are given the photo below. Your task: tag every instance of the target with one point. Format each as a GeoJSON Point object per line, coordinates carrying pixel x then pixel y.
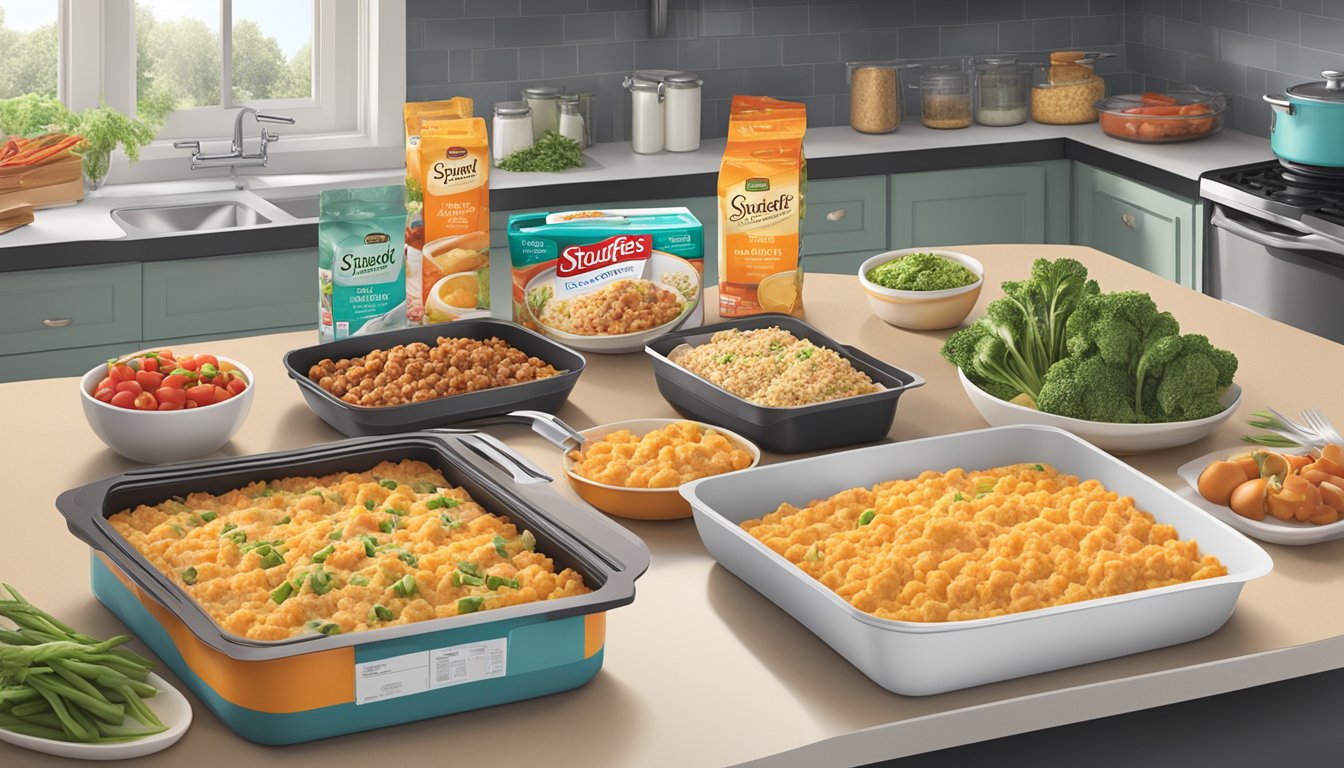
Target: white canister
{"type": "Point", "coordinates": [646, 115]}
{"type": "Point", "coordinates": [511, 129]}
{"type": "Point", "coordinates": [681, 109]}
{"type": "Point", "coordinates": [572, 125]}
{"type": "Point", "coordinates": [545, 103]}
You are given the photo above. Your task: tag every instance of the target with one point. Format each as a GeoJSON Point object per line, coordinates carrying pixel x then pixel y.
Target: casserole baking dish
{"type": "Point", "coordinates": [355, 420]}
{"type": "Point", "coordinates": [922, 658]}
{"type": "Point", "coordinates": [815, 427]}
{"type": "Point", "coordinates": [315, 686]}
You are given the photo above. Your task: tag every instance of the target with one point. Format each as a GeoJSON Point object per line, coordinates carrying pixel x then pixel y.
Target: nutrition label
{"type": "Point", "coordinates": [422, 671]}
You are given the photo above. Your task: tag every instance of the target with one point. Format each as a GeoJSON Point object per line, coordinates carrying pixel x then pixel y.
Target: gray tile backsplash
{"type": "Point", "coordinates": [490, 49]}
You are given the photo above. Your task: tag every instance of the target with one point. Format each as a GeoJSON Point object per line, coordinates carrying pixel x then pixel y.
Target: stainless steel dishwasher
{"type": "Point", "coordinates": [1276, 244]}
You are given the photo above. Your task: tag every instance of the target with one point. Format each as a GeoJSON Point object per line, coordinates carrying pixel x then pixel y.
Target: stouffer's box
{"type": "Point", "coordinates": [607, 280]}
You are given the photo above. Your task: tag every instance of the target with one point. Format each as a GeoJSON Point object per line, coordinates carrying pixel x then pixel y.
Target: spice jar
{"type": "Point", "coordinates": [544, 101]}
{"type": "Point", "coordinates": [681, 111]}
{"type": "Point", "coordinates": [945, 97]}
{"type": "Point", "coordinates": [572, 125]}
{"type": "Point", "coordinates": [511, 129]}
{"type": "Point", "coordinates": [646, 114]}
{"type": "Point", "coordinates": [874, 100]}
{"type": "Point", "coordinates": [1066, 91]}
{"type": "Point", "coordinates": [1002, 84]}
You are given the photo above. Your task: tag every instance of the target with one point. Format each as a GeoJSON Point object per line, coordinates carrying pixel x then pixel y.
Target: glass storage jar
{"type": "Point", "coordinates": [874, 95]}
{"type": "Point", "coordinates": [1066, 91]}
{"type": "Point", "coordinates": [545, 103]}
{"type": "Point", "coordinates": [1002, 84]}
{"type": "Point", "coordinates": [681, 111]}
{"type": "Point", "coordinates": [511, 129]}
{"type": "Point", "coordinates": [572, 125]}
{"type": "Point", "coordinates": [945, 96]}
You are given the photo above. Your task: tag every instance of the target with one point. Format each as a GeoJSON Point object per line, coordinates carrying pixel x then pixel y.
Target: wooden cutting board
{"type": "Point", "coordinates": [58, 182]}
{"type": "Point", "coordinates": [14, 216]}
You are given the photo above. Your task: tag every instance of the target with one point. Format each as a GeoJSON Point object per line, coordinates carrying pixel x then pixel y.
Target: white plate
{"type": "Point", "coordinates": [1120, 439]}
{"type": "Point", "coordinates": [1271, 529]}
{"type": "Point", "coordinates": [169, 705]}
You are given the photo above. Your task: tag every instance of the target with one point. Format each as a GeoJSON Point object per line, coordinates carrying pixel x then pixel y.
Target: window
{"type": "Point", "coordinates": [336, 66]}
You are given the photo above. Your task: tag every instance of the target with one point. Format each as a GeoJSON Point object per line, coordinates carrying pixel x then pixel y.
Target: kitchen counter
{"type": "Point", "coordinates": [701, 670]}
{"type": "Point", "coordinates": [85, 233]}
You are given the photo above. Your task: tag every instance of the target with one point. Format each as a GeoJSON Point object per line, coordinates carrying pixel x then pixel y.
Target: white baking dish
{"type": "Point", "coordinates": [917, 659]}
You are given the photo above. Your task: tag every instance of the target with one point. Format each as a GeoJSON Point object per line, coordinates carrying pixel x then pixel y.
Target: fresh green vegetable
{"type": "Point", "coordinates": [459, 579]}
{"type": "Point", "coordinates": [103, 129]}
{"type": "Point", "coordinates": [390, 485]}
{"type": "Point", "coordinates": [551, 153]}
{"type": "Point", "coordinates": [386, 526]}
{"type": "Point", "coordinates": [408, 558]}
{"type": "Point", "coordinates": [495, 582]}
{"type": "Point", "coordinates": [59, 684]}
{"type": "Point", "coordinates": [468, 568]}
{"type": "Point", "coordinates": [208, 516]}
{"type": "Point", "coordinates": [1267, 420]}
{"type": "Point", "coordinates": [449, 523]}
{"type": "Point", "coordinates": [320, 581]}
{"type": "Point", "coordinates": [442, 502]}
{"type": "Point", "coordinates": [866, 517]}
{"type": "Point", "coordinates": [324, 627]}
{"type": "Point", "coordinates": [405, 586]}
{"type": "Point", "coordinates": [1038, 467]}
{"type": "Point", "coordinates": [322, 554]}
{"type": "Point", "coordinates": [959, 497]}
{"type": "Point", "coordinates": [359, 580]}
{"type": "Point", "coordinates": [189, 576]}
{"type": "Point", "coordinates": [370, 545]}
{"type": "Point", "coordinates": [281, 593]}
{"type": "Point", "coordinates": [381, 613]}
{"type": "Point", "coordinates": [469, 604]}
{"type": "Point", "coordinates": [368, 504]}
{"type": "Point", "coordinates": [921, 272]}
{"type": "Point", "coordinates": [499, 542]}
{"type": "Point", "coordinates": [270, 558]}
{"type": "Point", "coordinates": [334, 536]}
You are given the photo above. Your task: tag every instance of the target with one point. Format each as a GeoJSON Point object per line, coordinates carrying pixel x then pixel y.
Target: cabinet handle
{"type": "Point", "coordinates": [57, 322]}
{"type": "Point", "coordinates": [836, 215]}
{"type": "Point", "coordinates": [1128, 220]}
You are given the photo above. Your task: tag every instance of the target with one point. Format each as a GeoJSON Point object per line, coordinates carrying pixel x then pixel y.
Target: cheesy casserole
{"type": "Point", "coordinates": [342, 553]}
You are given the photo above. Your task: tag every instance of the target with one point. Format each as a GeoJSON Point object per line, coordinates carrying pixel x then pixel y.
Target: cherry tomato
{"type": "Point", "coordinates": [188, 362]}
{"type": "Point", "coordinates": [120, 372]}
{"type": "Point", "coordinates": [123, 400]}
{"type": "Point", "coordinates": [191, 404]}
{"type": "Point", "coordinates": [146, 402]}
{"type": "Point", "coordinates": [150, 364]}
{"type": "Point", "coordinates": [104, 394]}
{"type": "Point", "coordinates": [210, 359]}
{"type": "Point", "coordinates": [165, 354]}
{"type": "Point", "coordinates": [170, 395]}
{"type": "Point", "coordinates": [175, 380]}
{"type": "Point", "coordinates": [236, 386]}
{"type": "Point", "coordinates": [131, 386]}
{"type": "Point", "coordinates": [170, 406]}
{"type": "Point", "coordinates": [107, 383]}
{"type": "Point", "coordinates": [202, 394]}
{"type": "Point", "coordinates": [222, 394]}
{"type": "Point", "coordinates": [149, 380]}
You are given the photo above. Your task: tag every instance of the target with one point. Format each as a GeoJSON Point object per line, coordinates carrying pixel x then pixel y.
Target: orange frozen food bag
{"type": "Point", "coordinates": [450, 272]}
{"type": "Point", "coordinates": [762, 180]}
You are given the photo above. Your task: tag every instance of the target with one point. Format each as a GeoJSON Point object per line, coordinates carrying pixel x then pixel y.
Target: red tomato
{"type": "Point", "coordinates": [165, 354]}
{"type": "Point", "coordinates": [107, 383]}
{"type": "Point", "coordinates": [170, 395]}
{"type": "Point", "coordinates": [201, 394]}
{"type": "Point", "coordinates": [120, 372]}
{"type": "Point", "coordinates": [123, 400]}
{"type": "Point", "coordinates": [211, 359]}
{"type": "Point", "coordinates": [149, 380]}
{"type": "Point", "coordinates": [131, 386]}
{"type": "Point", "coordinates": [146, 402]}
{"type": "Point", "coordinates": [170, 406]}
{"type": "Point", "coordinates": [104, 394]}
{"type": "Point", "coordinates": [236, 386]}
{"type": "Point", "coordinates": [188, 362]}
{"type": "Point", "coordinates": [175, 380]}
{"type": "Point", "coordinates": [222, 394]}
{"type": "Point", "coordinates": [150, 364]}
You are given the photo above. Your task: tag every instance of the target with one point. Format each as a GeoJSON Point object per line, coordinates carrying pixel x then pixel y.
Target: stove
{"type": "Point", "coordinates": [1276, 242]}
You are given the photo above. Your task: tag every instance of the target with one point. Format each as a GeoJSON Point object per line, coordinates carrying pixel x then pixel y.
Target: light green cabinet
{"type": "Point", "coordinates": [1135, 222]}
{"type": "Point", "coordinates": [846, 223]}
{"type": "Point", "coordinates": [230, 296]}
{"type": "Point", "coordinates": [967, 206]}
{"type": "Point", "coordinates": [48, 309]}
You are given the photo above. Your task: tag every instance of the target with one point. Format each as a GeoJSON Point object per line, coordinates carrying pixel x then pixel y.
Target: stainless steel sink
{"type": "Point", "coordinates": [194, 217]}
{"type": "Point", "coordinates": [298, 207]}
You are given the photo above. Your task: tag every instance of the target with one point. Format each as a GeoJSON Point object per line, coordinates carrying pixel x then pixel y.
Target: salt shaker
{"type": "Point", "coordinates": [572, 125]}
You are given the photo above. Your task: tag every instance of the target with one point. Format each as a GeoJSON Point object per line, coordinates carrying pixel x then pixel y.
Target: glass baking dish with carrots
{"type": "Point", "coordinates": [1158, 118]}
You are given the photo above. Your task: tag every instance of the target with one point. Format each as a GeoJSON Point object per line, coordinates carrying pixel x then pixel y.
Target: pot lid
{"type": "Point", "coordinates": [512, 108]}
{"type": "Point", "coordinates": [1330, 89]}
{"type": "Point", "coordinates": [541, 92]}
{"type": "Point", "coordinates": [682, 80]}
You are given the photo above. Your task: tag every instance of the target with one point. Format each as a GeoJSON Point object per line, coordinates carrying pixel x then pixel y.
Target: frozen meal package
{"type": "Point", "coordinates": [361, 262]}
{"type": "Point", "coordinates": [448, 258]}
{"type": "Point", "coordinates": [762, 181]}
{"type": "Point", "coordinates": [607, 280]}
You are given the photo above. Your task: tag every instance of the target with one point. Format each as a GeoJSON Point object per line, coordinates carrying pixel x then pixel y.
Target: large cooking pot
{"type": "Point", "coordinates": [1308, 122]}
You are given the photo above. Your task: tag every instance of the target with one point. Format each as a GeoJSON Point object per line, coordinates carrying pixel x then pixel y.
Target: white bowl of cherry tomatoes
{"type": "Point", "coordinates": [155, 408]}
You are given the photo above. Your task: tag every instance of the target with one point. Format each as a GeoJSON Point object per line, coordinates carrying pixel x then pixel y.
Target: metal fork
{"type": "Point", "coordinates": [1316, 419]}
{"type": "Point", "coordinates": [1300, 432]}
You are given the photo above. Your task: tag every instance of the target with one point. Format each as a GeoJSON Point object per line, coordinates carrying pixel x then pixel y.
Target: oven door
{"type": "Point", "coordinates": [1273, 271]}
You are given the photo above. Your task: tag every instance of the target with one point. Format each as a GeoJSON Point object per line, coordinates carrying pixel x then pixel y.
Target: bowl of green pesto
{"type": "Point", "coordinates": [922, 289]}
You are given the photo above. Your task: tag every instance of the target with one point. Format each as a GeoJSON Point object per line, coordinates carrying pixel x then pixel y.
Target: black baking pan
{"type": "Point", "coordinates": [274, 692]}
{"type": "Point", "coordinates": [847, 421]}
{"type": "Point", "coordinates": [355, 420]}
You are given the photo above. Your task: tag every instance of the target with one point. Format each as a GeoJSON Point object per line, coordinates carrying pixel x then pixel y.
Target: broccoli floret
{"type": "Point", "coordinates": [984, 357]}
{"type": "Point", "coordinates": [1192, 381]}
{"type": "Point", "coordinates": [1089, 388]}
{"type": "Point", "coordinates": [1118, 326]}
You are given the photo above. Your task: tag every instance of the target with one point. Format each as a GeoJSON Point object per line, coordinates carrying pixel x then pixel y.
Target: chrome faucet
{"type": "Point", "coordinates": [236, 157]}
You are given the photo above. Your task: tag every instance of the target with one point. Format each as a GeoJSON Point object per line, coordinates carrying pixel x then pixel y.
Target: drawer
{"type": "Point", "coordinates": [53, 363]}
{"type": "Point", "coordinates": [846, 215]}
{"type": "Point", "coordinates": [223, 295]}
{"type": "Point", "coordinates": [49, 309]}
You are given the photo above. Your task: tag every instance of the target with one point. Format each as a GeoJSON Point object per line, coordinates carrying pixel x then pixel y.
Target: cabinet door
{"type": "Point", "coordinates": [844, 216]}
{"type": "Point", "coordinates": [1002, 204]}
{"type": "Point", "coordinates": [230, 295]}
{"type": "Point", "coordinates": [49, 309]}
{"type": "Point", "coordinates": [1135, 222]}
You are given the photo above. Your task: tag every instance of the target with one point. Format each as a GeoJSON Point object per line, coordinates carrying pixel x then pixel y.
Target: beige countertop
{"type": "Point", "coordinates": [701, 670]}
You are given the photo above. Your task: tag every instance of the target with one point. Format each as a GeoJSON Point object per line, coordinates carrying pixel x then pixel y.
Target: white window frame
{"type": "Point", "coordinates": [353, 122]}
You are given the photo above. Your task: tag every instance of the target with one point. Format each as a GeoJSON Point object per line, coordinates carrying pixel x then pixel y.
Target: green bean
{"type": "Point", "coordinates": [69, 723]}
{"type": "Point", "coordinates": [20, 726]}
{"type": "Point", "coordinates": [33, 707]}
{"type": "Point", "coordinates": [95, 703]}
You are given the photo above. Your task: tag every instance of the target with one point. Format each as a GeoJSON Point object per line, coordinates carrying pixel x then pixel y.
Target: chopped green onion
{"type": "Point", "coordinates": [459, 579]}
{"type": "Point", "coordinates": [499, 542]}
{"type": "Point", "coordinates": [390, 485]}
{"type": "Point", "coordinates": [370, 545]}
{"type": "Point", "coordinates": [469, 604]}
{"type": "Point", "coordinates": [368, 504]}
{"type": "Point", "coordinates": [409, 559]}
{"type": "Point", "coordinates": [209, 516]}
{"type": "Point", "coordinates": [359, 580]}
{"type": "Point", "coordinates": [281, 593]}
{"type": "Point", "coordinates": [449, 522]}
{"type": "Point", "coordinates": [380, 613]}
{"type": "Point", "coordinates": [324, 627]}
{"type": "Point", "coordinates": [189, 576]}
{"type": "Point", "coordinates": [468, 568]}
{"type": "Point", "coordinates": [1038, 468]}
{"type": "Point", "coordinates": [440, 502]}
{"type": "Point", "coordinates": [236, 535]}
{"type": "Point", "coordinates": [804, 354]}
{"type": "Point", "coordinates": [959, 497]}
{"type": "Point", "coordinates": [405, 586]}
{"type": "Point", "coordinates": [866, 517]}
{"type": "Point", "coordinates": [495, 582]}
